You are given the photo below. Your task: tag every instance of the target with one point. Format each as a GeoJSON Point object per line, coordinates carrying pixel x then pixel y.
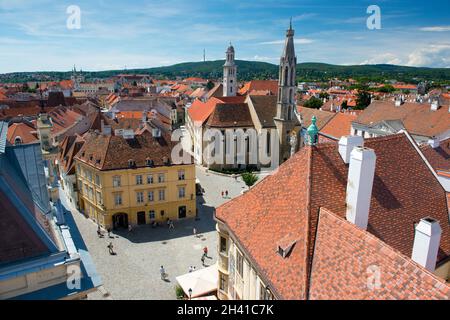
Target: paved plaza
{"type": "Point", "coordinates": [134, 272]}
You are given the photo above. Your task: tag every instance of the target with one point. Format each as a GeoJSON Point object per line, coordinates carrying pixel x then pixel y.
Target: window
{"type": "Point", "coordinates": [223, 283]}
{"type": "Point", "coordinates": [223, 244]}
{"type": "Point", "coordinates": [161, 178]}
{"type": "Point", "coordinates": [152, 215]}
{"type": "Point", "coordinates": [97, 180]}
{"type": "Point", "coordinates": [99, 198]}
{"type": "Point", "coordinates": [151, 196]}
{"type": "Point", "coordinates": [139, 180]}
{"type": "Point", "coordinates": [118, 199]}
{"type": "Point", "coordinates": [181, 192]}
{"type": "Point", "coordinates": [116, 181]}
{"type": "Point", "coordinates": [162, 195]}
{"type": "Point", "coordinates": [181, 175]}
{"type": "Point", "coordinates": [239, 264]}
{"type": "Point", "coordinates": [265, 293]}
{"type": "Point", "coordinates": [150, 179]}
{"type": "Point", "coordinates": [91, 193]}
{"type": "Point", "coordinates": [139, 197]}
{"type": "Point", "coordinates": [162, 213]}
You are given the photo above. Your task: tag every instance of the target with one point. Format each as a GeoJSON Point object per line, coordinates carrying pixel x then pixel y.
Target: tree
{"type": "Point", "coordinates": [313, 103]}
{"type": "Point", "coordinates": [249, 178]}
{"type": "Point", "coordinates": [323, 95]}
{"type": "Point", "coordinates": [363, 100]}
{"type": "Point", "coordinates": [210, 85]}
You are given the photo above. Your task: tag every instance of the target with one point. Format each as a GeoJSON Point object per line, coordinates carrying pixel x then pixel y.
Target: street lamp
{"type": "Point", "coordinates": [190, 293]}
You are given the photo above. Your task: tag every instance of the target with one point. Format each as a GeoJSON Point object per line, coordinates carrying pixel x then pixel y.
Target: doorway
{"type": "Point", "coordinates": [120, 220]}
{"type": "Point", "coordinates": [141, 218]}
{"type": "Point", "coordinates": [182, 212]}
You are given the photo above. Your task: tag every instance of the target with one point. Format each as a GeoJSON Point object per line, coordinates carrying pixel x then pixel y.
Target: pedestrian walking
{"type": "Point", "coordinates": [191, 269]}
{"type": "Point", "coordinates": [163, 273]}
{"type": "Point", "coordinates": [222, 194]}
{"type": "Point", "coordinates": [205, 251]}
{"type": "Point", "coordinates": [168, 223]}
{"type": "Point", "coordinates": [171, 225]}
{"type": "Point", "coordinates": [203, 260]}
{"type": "Point", "coordinates": [109, 232]}
{"type": "Point", "coordinates": [130, 228]}
{"type": "Point", "coordinates": [194, 231]}
{"type": "Point", "coordinates": [226, 193]}
{"type": "Point", "coordinates": [111, 249]}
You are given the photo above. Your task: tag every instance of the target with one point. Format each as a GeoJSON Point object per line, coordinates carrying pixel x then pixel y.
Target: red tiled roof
{"type": "Point", "coordinates": [316, 177]}
{"type": "Point", "coordinates": [26, 131]}
{"type": "Point", "coordinates": [340, 125]}
{"type": "Point", "coordinates": [267, 86]}
{"type": "Point", "coordinates": [439, 157]}
{"type": "Point", "coordinates": [347, 261]}
{"type": "Point", "coordinates": [113, 152]}
{"type": "Point", "coordinates": [418, 118]}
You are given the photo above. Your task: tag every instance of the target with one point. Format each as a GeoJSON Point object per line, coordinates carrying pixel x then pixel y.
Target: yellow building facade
{"type": "Point", "coordinates": [136, 196]}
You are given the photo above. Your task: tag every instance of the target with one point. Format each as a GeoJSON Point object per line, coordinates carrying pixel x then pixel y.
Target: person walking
{"type": "Point", "coordinates": [109, 232]}
{"type": "Point", "coordinates": [194, 231]}
{"type": "Point", "coordinates": [222, 194]}
{"type": "Point", "coordinates": [163, 273]}
{"type": "Point", "coordinates": [203, 260]}
{"type": "Point", "coordinates": [226, 193]}
{"type": "Point", "coordinates": [191, 269]}
{"type": "Point", "coordinates": [171, 225]}
{"type": "Point", "coordinates": [130, 228]}
{"type": "Point", "coordinates": [205, 251]}
{"type": "Point", "coordinates": [111, 249]}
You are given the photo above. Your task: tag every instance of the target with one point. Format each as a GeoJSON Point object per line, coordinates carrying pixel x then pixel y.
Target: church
{"type": "Point", "coordinates": [275, 112]}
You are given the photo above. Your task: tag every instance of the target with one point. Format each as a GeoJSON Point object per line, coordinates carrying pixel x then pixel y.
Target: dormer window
{"type": "Point", "coordinates": [131, 163]}
{"type": "Point", "coordinates": [149, 162]}
{"type": "Point", "coordinates": [285, 247]}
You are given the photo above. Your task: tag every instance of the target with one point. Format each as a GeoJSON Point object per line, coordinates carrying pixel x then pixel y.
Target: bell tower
{"type": "Point", "coordinates": [286, 119]}
{"type": "Point", "coordinates": [230, 74]}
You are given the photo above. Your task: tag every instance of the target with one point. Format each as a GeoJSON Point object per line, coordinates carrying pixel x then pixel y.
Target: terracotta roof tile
{"type": "Point", "coordinates": [348, 260]}
{"type": "Point", "coordinates": [340, 125]}
{"type": "Point", "coordinates": [316, 177]}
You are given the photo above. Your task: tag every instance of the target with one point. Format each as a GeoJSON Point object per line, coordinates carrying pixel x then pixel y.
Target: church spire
{"type": "Point", "coordinates": [287, 77]}
{"type": "Point", "coordinates": [229, 74]}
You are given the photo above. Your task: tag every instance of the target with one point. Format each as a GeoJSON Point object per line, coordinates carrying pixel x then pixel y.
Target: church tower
{"type": "Point", "coordinates": [230, 74]}
{"type": "Point", "coordinates": [286, 119]}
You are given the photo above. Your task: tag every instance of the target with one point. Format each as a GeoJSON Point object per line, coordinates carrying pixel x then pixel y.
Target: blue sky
{"type": "Point", "coordinates": [115, 34]}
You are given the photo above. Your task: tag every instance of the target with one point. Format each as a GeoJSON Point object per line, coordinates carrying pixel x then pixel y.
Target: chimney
{"type": "Point", "coordinates": [434, 143]}
{"type": "Point", "coordinates": [426, 243]}
{"type": "Point", "coordinates": [359, 185]}
{"type": "Point", "coordinates": [346, 145]}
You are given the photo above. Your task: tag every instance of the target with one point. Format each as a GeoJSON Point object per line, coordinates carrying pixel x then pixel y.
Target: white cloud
{"type": "Point", "coordinates": [435, 29]}
{"type": "Point", "coordinates": [437, 55]}
{"type": "Point", "coordinates": [385, 58]}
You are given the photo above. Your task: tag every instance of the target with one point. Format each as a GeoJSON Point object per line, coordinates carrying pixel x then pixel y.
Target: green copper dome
{"type": "Point", "coordinates": [312, 132]}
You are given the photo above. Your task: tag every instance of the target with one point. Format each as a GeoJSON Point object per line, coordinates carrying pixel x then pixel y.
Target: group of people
{"type": "Point", "coordinates": [225, 193]}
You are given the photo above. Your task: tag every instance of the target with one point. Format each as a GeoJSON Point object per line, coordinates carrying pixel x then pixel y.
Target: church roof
{"type": "Point", "coordinates": [316, 177]}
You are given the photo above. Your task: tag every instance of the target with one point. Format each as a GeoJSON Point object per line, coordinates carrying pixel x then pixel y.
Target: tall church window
{"type": "Point", "coordinates": [286, 76]}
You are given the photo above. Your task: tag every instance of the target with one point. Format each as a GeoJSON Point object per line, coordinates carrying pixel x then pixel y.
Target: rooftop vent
{"type": "Point", "coordinates": [284, 250]}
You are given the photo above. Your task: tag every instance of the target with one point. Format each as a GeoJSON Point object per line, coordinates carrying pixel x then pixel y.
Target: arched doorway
{"type": "Point", "coordinates": [120, 220]}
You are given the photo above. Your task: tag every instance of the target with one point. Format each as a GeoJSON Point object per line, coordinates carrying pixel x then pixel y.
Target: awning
{"type": "Point", "coordinates": [202, 282]}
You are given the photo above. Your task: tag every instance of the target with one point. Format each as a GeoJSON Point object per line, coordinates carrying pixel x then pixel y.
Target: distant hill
{"type": "Point", "coordinates": [248, 70]}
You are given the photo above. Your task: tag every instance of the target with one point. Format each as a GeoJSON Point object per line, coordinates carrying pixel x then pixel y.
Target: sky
{"type": "Point", "coordinates": [148, 33]}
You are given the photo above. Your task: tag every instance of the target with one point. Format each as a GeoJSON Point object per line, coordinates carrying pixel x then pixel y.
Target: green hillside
{"type": "Point", "coordinates": [248, 70]}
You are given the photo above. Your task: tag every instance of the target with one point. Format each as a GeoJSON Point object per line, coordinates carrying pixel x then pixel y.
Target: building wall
{"type": "Point", "coordinates": [239, 283]}
{"type": "Point", "coordinates": [99, 204]}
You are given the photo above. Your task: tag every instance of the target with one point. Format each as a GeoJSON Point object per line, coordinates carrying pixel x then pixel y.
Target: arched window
{"type": "Point", "coordinates": [286, 75]}
{"type": "Point", "coordinates": [17, 141]}
{"type": "Point", "coordinates": [292, 78]}
{"type": "Point", "coordinates": [291, 95]}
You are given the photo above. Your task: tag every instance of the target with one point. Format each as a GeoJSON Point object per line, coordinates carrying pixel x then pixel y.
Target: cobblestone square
{"type": "Point", "coordinates": [134, 272]}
